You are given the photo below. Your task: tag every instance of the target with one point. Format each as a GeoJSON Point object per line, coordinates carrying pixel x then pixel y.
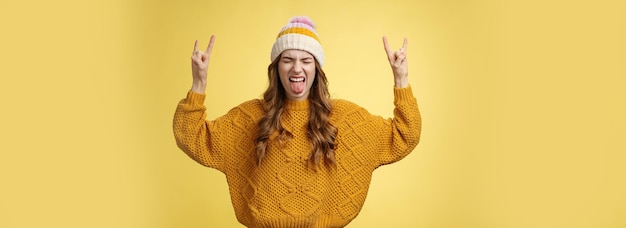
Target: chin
{"type": "Point", "coordinates": [297, 97]}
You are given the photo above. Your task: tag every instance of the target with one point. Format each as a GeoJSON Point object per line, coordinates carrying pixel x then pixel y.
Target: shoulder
{"type": "Point", "coordinates": [251, 108]}
{"type": "Point", "coordinates": [251, 104]}
{"type": "Point", "coordinates": [341, 105]}
{"type": "Point", "coordinates": [344, 108]}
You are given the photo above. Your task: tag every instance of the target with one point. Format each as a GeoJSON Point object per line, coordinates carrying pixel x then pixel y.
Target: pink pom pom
{"type": "Point", "coordinates": [303, 20]}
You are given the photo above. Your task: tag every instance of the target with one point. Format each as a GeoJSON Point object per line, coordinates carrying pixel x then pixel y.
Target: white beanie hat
{"type": "Point", "coordinates": [298, 34]}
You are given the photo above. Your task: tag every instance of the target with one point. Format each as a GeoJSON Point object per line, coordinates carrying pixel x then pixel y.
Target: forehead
{"type": "Point", "coordinates": [299, 54]}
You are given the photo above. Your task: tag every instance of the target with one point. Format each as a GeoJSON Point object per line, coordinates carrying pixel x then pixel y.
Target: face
{"type": "Point", "coordinates": [296, 70]}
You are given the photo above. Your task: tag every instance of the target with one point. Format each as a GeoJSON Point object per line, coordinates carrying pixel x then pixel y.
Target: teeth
{"type": "Point", "coordinates": [296, 79]}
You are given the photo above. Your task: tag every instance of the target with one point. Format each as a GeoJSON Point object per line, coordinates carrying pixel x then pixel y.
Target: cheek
{"type": "Point", "coordinates": [310, 71]}
{"type": "Point", "coordinates": [282, 72]}
{"type": "Point", "coordinates": [284, 69]}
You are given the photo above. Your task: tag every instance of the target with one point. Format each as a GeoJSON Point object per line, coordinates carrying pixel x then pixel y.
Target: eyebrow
{"type": "Point", "coordinates": [291, 58]}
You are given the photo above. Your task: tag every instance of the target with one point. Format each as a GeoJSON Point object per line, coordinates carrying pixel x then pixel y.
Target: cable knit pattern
{"type": "Point", "coordinates": [282, 191]}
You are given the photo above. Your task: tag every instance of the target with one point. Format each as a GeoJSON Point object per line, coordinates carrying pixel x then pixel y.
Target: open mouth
{"type": "Point", "coordinates": [297, 84]}
{"type": "Point", "coordinates": [296, 79]}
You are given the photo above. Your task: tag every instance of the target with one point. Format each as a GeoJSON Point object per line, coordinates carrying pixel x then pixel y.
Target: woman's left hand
{"type": "Point", "coordinates": [398, 62]}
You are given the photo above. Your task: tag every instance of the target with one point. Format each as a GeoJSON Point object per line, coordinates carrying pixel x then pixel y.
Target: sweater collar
{"type": "Point", "coordinates": [297, 105]}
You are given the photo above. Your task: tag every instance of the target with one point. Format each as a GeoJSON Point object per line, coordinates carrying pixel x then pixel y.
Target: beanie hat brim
{"type": "Point", "coordinates": [298, 42]}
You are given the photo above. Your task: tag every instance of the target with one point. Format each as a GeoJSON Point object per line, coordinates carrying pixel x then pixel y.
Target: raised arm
{"type": "Point", "coordinates": [191, 130]}
{"type": "Point", "coordinates": [397, 60]}
{"type": "Point", "coordinates": [200, 66]}
{"type": "Point", "coordinates": [400, 135]}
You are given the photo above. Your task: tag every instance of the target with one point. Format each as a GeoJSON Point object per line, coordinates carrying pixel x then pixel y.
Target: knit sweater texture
{"type": "Point", "coordinates": [282, 191]}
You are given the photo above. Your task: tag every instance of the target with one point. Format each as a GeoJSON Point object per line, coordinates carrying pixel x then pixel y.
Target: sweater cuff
{"type": "Point", "coordinates": [194, 98]}
{"type": "Point", "coordinates": [403, 94]}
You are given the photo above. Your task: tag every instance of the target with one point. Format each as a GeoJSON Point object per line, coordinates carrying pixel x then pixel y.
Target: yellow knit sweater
{"type": "Point", "coordinates": [282, 191]}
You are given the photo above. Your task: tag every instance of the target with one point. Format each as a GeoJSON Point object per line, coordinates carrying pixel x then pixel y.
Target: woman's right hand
{"type": "Point", "coordinates": [200, 65]}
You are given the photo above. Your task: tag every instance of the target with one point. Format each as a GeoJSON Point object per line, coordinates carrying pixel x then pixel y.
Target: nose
{"type": "Point", "coordinates": [297, 67]}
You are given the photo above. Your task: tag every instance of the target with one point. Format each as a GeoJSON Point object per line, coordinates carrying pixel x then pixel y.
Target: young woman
{"type": "Point", "coordinates": [297, 158]}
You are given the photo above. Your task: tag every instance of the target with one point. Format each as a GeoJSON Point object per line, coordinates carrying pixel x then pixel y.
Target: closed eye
{"type": "Point", "coordinates": [286, 59]}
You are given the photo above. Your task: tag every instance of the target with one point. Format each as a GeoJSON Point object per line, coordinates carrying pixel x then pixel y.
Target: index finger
{"type": "Point", "coordinates": [387, 48]}
{"type": "Point", "coordinates": [195, 46]}
{"type": "Point", "coordinates": [210, 47]}
{"type": "Point", "coordinates": [405, 43]}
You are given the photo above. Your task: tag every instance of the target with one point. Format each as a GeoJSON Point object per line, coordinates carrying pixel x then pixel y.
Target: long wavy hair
{"type": "Point", "coordinates": [320, 132]}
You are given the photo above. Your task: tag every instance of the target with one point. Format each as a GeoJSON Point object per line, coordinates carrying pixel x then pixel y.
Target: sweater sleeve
{"type": "Point", "coordinates": [400, 134]}
{"type": "Point", "coordinates": [191, 130]}
{"type": "Point", "coordinates": [210, 143]}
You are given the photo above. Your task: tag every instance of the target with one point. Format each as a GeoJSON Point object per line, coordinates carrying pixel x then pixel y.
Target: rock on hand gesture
{"type": "Point", "coordinates": [200, 65]}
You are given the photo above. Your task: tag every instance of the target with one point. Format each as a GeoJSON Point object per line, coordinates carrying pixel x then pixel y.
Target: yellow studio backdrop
{"type": "Point", "coordinates": [523, 106]}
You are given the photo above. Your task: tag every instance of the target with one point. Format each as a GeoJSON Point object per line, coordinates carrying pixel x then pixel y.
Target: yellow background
{"type": "Point", "coordinates": [523, 105]}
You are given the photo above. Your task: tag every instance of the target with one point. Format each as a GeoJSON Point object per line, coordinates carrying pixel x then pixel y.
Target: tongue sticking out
{"type": "Point", "coordinates": [297, 87]}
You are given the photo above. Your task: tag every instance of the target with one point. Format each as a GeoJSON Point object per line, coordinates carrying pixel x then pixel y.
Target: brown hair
{"type": "Point", "coordinates": [320, 132]}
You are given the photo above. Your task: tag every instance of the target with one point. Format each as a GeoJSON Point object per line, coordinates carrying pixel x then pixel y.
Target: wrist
{"type": "Point", "coordinates": [198, 87]}
{"type": "Point", "coordinates": [401, 82]}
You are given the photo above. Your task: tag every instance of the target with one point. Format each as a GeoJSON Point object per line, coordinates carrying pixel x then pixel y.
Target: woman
{"type": "Point", "coordinates": [297, 158]}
